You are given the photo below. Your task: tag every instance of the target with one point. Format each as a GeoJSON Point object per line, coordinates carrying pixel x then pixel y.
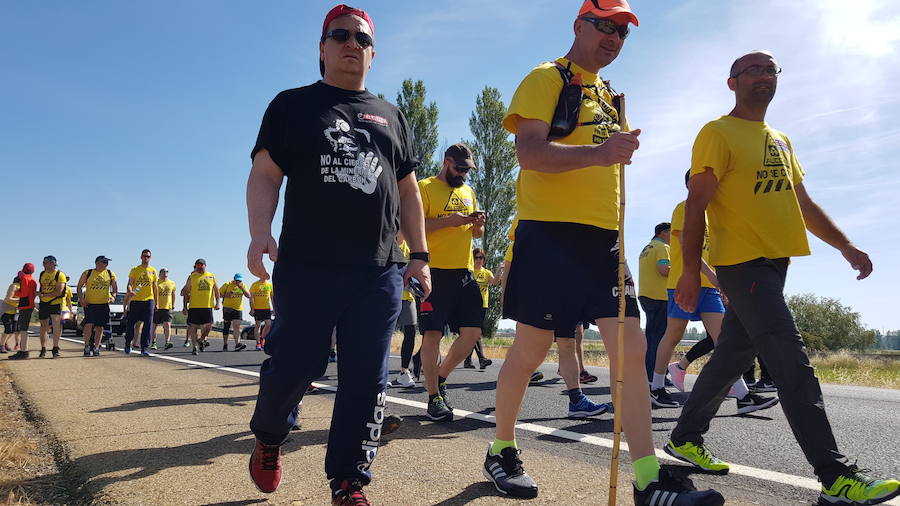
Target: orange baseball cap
{"type": "Point", "coordinates": [608, 9]}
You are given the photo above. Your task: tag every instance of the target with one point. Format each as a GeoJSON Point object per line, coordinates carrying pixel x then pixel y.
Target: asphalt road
{"type": "Point", "coordinates": [865, 422]}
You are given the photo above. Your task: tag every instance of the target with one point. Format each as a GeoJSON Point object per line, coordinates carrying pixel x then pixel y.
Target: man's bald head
{"type": "Point", "coordinates": [744, 61]}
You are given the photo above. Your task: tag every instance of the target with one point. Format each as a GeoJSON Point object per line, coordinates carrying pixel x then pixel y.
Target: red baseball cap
{"type": "Point", "coordinates": [28, 268]}
{"type": "Point", "coordinates": [609, 9]}
{"type": "Point", "coordinates": [343, 10]}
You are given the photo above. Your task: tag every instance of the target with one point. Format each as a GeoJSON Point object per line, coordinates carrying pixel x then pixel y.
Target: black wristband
{"type": "Point", "coordinates": [420, 255]}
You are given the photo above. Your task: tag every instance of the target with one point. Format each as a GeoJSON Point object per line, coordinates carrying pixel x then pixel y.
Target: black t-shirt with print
{"type": "Point", "coordinates": [342, 152]}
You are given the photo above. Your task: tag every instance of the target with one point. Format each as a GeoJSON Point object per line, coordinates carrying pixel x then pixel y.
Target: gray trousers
{"type": "Point", "coordinates": [758, 320]}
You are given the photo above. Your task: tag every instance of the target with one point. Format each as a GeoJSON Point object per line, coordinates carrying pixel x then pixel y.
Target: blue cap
{"type": "Point", "coordinates": [239, 277]}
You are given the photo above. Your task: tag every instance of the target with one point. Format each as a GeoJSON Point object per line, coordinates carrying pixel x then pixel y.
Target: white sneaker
{"type": "Point", "coordinates": [404, 379]}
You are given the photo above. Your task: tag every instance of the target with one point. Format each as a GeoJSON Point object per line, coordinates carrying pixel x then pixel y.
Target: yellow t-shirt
{"type": "Point", "coordinates": [483, 278]}
{"type": "Point", "coordinates": [589, 195]}
{"type": "Point", "coordinates": [754, 212]}
{"type": "Point", "coordinates": [144, 279]}
{"type": "Point", "coordinates": [165, 289]}
{"type": "Point", "coordinates": [262, 294]}
{"type": "Point", "coordinates": [48, 282]}
{"type": "Point", "coordinates": [651, 283]}
{"type": "Point", "coordinates": [677, 257]}
{"type": "Point", "coordinates": [450, 247]}
{"type": "Point", "coordinates": [407, 296]}
{"type": "Point", "coordinates": [97, 286]}
{"type": "Point", "coordinates": [232, 296]}
{"type": "Point", "coordinates": [202, 290]}
{"type": "Point", "coordinates": [15, 288]}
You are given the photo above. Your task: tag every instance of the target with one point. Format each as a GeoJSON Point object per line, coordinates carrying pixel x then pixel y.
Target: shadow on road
{"type": "Point", "coordinates": [161, 403]}
{"type": "Point", "coordinates": [469, 494]}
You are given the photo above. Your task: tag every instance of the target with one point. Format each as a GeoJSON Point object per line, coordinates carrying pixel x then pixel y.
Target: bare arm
{"type": "Point", "coordinates": [413, 225]}
{"type": "Point", "coordinates": [821, 225]}
{"type": "Point", "coordinates": [663, 269]}
{"type": "Point", "coordinates": [537, 153]}
{"type": "Point", "coordinates": [453, 220]}
{"type": "Point", "coordinates": [80, 289]}
{"type": "Point", "coordinates": [216, 294]}
{"type": "Point", "coordinates": [114, 288]}
{"type": "Point", "coordinates": [701, 189]}
{"type": "Point", "coordinates": [263, 186]}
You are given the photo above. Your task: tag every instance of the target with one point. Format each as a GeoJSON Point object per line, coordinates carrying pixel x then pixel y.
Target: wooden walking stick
{"type": "Point", "coordinates": [620, 338]}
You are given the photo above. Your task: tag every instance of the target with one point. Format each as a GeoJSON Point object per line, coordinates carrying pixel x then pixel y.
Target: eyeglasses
{"type": "Point", "coordinates": [104, 262]}
{"type": "Point", "coordinates": [608, 26]}
{"type": "Point", "coordinates": [343, 35]}
{"type": "Point", "coordinates": [457, 168]}
{"type": "Point", "coordinates": [758, 70]}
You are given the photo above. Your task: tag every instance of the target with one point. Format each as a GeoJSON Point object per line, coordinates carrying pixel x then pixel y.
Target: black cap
{"type": "Point", "coordinates": [50, 258]}
{"type": "Point", "coordinates": [662, 227]}
{"type": "Point", "coordinates": [102, 258]}
{"type": "Point", "coordinates": [461, 154]}
{"type": "Point", "coordinates": [200, 261]}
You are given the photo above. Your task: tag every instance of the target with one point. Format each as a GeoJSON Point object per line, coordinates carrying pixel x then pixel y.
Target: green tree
{"type": "Point", "coordinates": [826, 324]}
{"type": "Point", "coordinates": [494, 183]}
{"type": "Point", "coordinates": [422, 120]}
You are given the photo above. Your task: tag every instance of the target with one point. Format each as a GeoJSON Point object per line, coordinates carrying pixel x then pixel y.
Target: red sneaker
{"type": "Point", "coordinates": [350, 494]}
{"type": "Point", "coordinates": [265, 467]}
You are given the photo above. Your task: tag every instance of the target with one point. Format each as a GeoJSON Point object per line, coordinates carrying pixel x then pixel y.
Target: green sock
{"type": "Point", "coordinates": [646, 470]}
{"type": "Point", "coordinates": [499, 445]}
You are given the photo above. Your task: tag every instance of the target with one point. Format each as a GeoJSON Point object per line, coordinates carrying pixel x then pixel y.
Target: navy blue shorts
{"type": "Point", "coordinates": [97, 315]}
{"type": "Point", "coordinates": [455, 301]}
{"type": "Point", "coordinates": [563, 274]}
{"type": "Point", "coordinates": [200, 316]}
{"type": "Point", "coordinates": [709, 301]}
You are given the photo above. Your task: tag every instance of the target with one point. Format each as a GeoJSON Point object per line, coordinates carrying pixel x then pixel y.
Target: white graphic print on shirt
{"type": "Point", "coordinates": [350, 163]}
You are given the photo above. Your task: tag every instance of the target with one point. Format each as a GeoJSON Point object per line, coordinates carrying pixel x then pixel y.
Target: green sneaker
{"type": "Point", "coordinates": [854, 487]}
{"type": "Point", "coordinates": [699, 456]}
{"type": "Point", "coordinates": [153, 346]}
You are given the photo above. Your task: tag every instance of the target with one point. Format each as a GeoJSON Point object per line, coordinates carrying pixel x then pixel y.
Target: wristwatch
{"type": "Point", "coordinates": [420, 255]}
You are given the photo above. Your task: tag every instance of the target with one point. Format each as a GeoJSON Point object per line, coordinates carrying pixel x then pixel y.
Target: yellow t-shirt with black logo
{"type": "Point", "coordinates": [483, 278]}
{"type": "Point", "coordinates": [144, 279]}
{"type": "Point", "coordinates": [450, 247]}
{"type": "Point", "coordinates": [48, 282]}
{"type": "Point", "coordinates": [202, 290]}
{"type": "Point", "coordinates": [262, 294]}
{"type": "Point", "coordinates": [589, 195]}
{"type": "Point", "coordinates": [407, 296]}
{"type": "Point", "coordinates": [754, 212]}
{"type": "Point", "coordinates": [651, 283]}
{"type": "Point", "coordinates": [232, 295]}
{"type": "Point", "coordinates": [677, 256]}
{"type": "Point", "coordinates": [165, 289]}
{"type": "Point", "coordinates": [97, 286]}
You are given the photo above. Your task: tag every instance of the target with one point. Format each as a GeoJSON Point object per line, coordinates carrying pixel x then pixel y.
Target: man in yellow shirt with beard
{"type": "Point", "coordinates": [165, 302]}
{"type": "Point", "coordinates": [452, 220]}
{"type": "Point", "coordinates": [745, 177]}
{"type": "Point", "coordinates": [143, 294]}
{"type": "Point", "coordinates": [52, 283]}
{"type": "Point", "coordinates": [233, 293]}
{"type": "Point", "coordinates": [199, 292]}
{"type": "Point", "coordinates": [565, 267]}
{"type": "Point", "coordinates": [101, 286]}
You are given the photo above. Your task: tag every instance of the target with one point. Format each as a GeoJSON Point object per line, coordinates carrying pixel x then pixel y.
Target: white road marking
{"type": "Point", "coordinates": [751, 472]}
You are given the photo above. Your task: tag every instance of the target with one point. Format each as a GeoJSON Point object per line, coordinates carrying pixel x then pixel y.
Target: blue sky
{"type": "Point", "coordinates": [129, 125]}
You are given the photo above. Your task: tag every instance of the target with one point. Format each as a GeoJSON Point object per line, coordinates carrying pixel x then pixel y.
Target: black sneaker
{"type": "Point", "coordinates": [55, 352]}
{"type": "Point", "coordinates": [19, 355]}
{"type": "Point", "coordinates": [484, 362]}
{"type": "Point", "coordinates": [587, 378]}
{"type": "Point", "coordinates": [390, 424]}
{"type": "Point", "coordinates": [762, 386]}
{"type": "Point", "coordinates": [661, 399]}
{"type": "Point", "coordinates": [442, 391]}
{"type": "Point", "coordinates": [753, 402]}
{"type": "Point", "coordinates": [467, 364]}
{"type": "Point", "coordinates": [239, 346]}
{"type": "Point", "coordinates": [194, 350]}
{"type": "Point", "coordinates": [438, 410]}
{"type": "Point", "coordinates": [417, 366]}
{"type": "Point", "coordinates": [43, 353]}
{"type": "Point", "coordinates": [505, 471]}
{"type": "Point", "coordinates": [225, 347]}
{"type": "Point", "coordinates": [671, 490]}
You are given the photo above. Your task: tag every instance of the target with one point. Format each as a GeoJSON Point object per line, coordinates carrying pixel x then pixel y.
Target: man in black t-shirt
{"type": "Point", "coordinates": [349, 162]}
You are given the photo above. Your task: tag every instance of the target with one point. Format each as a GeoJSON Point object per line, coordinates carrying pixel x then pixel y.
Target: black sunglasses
{"type": "Point", "coordinates": [343, 35]}
{"type": "Point", "coordinates": [608, 27]}
{"type": "Point", "coordinates": [457, 168]}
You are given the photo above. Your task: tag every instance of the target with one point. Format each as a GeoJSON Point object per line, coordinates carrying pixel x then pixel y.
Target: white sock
{"type": "Point", "coordinates": [740, 388]}
{"type": "Point", "coordinates": [659, 381]}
